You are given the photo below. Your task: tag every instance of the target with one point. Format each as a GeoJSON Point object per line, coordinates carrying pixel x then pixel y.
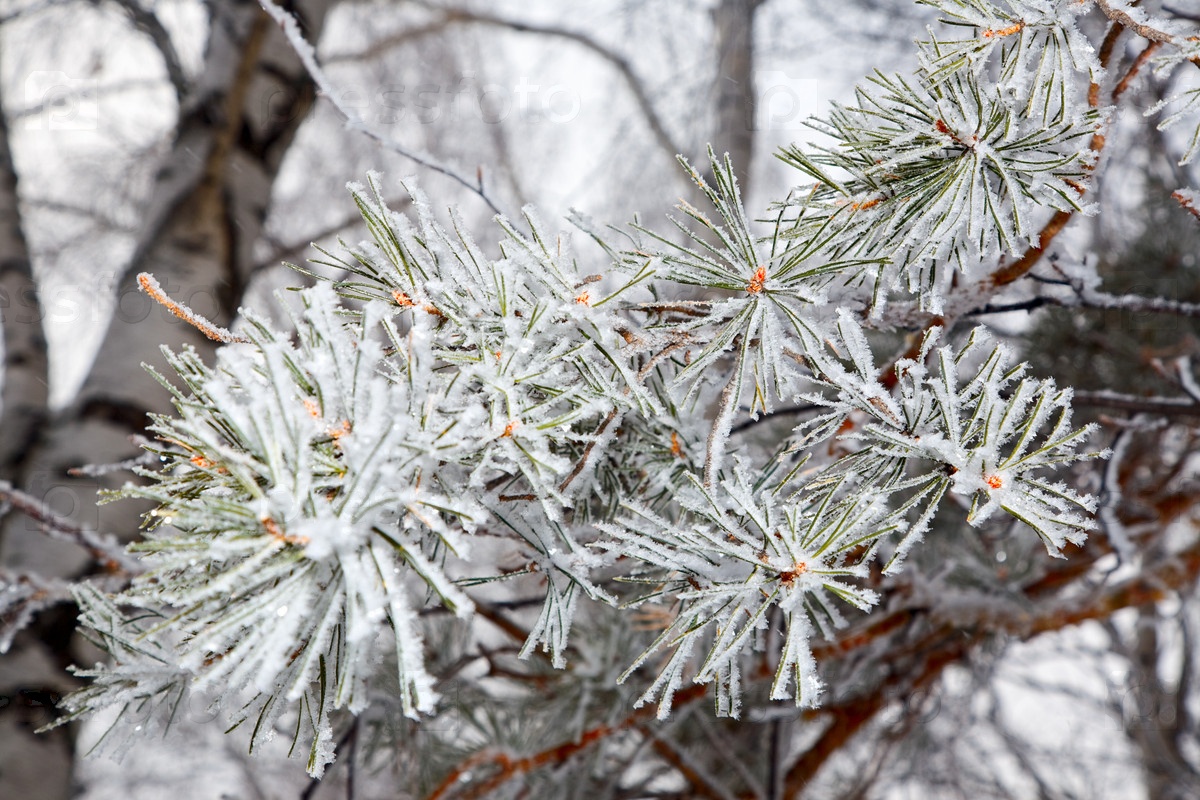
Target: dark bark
{"type": "Point", "coordinates": [23, 402]}
{"type": "Point", "coordinates": [207, 209]}
{"type": "Point", "coordinates": [32, 677]}
{"type": "Point", "coordinates": [733, 23]}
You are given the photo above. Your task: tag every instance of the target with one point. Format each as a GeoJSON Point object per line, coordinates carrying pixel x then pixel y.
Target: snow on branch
{"type": "Point", "coordinates": [445, 414]}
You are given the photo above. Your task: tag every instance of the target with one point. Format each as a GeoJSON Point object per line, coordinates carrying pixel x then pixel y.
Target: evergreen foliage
{"type": "Point", "coordinates": [438, 401]}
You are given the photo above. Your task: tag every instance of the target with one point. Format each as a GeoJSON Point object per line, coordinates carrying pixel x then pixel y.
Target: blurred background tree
{"type": "Point", "coordinates": [185, 137]}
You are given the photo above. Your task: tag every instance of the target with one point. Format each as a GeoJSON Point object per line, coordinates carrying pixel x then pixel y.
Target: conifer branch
{"type": "Point", "coordinates": [1029, 259]}
{"type": "Point", "coordinates": [319, 487]}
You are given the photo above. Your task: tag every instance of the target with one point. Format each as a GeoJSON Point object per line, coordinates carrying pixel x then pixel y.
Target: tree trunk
{"type": "Point", "coordinates": [1157, 721]}
{"type": "Point", "coordinates": [23, 401]}
{"type": "Point", "coordinates": [28, 767]}
{"type": "Point", "coordinates": [733, 22]}
{"type": "Point", "coordinates": [206, 212]}
{"type": "Point", "coordinates": [205, 215]}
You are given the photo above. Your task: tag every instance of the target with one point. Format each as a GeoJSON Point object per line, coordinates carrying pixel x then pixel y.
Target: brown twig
{"type": "Point", "coordinates": [1186, 203]}
{"type": "Point", "coordinates": [1134, 68]}
{"type": "Point", "coordinates": [948, 645]}
{"type": "Point", "coordinates": [1123, 19]}
{"type": "Point", "coordinates": [1168, 406]}
{"type": "Point", "coordinates": [700, 785]}
{"type": "Point", "coordinates": [1105, 56]}
{"type": "Point", "coordinates": [587, 451]}
{"type": "Point", "coordinates": [212, 331]}
{"type": "Point", "coordinates": [509, 768]}
{"type": "Point", "coordinates": [1017, 269]}
{"type": "Point", "coordinates": [493, 615]}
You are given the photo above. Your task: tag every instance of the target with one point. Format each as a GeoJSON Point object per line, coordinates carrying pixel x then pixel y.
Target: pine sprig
{"type": "Point", "coordinates": [970, 424]}
{"type": "Point", "coordinates": [735, 554]}
{"type": "Point", "coordinates": [775, 283]}
{"type": "Point", "coordinates": [321, 488]}
{"type": "Point", "coordinates": [1037, 50]}
{"type": "Point", "coordinates": [939, 176]}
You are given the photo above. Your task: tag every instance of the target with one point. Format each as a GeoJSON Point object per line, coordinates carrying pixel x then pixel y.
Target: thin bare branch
{"type": "Point", "coordinates": [92, 92]}
{"type": "Point", "coordinates": [148, 23]}
{"type": "Point", "coordinates": [1139, 62]}
{"type": "Point", "coordinates": [104, 548]}
{"type": "Point", "coordinates": [386, 43]}
{"type": "Point", "coordinates": [1123, 19]}
{"type": "Point", "coordinates": [30, 10]}
{"type": "Point", "coordinates": [1132, 303]}
{"type": "Point", "coordinates": [22, 596]}
{"type": "Point", "coordinates": [1169, 406]}
{"type": "Point", "coordinates": [620, 63]}
{"type": "Point", "coordinates": [701, 784]}
{"type": "Point", "coordinates": [353, 121]}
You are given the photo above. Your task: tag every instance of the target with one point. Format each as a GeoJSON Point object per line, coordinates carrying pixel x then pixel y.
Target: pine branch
{"type": "Point", "coordinates": [317, 485]}
{"type": "Point", "coordinates": [1011, 272]}
{"type": "Point", "coordinates": [945, 646]}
